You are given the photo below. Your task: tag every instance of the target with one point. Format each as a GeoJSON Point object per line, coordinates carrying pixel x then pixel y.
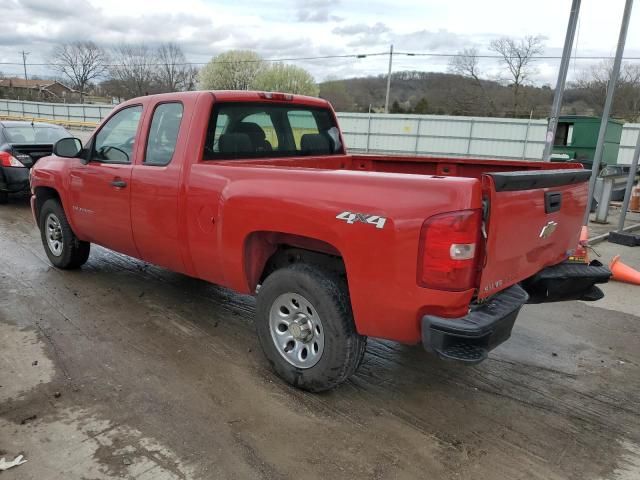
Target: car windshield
{"type": "Point", "coordinates": [34, 134]}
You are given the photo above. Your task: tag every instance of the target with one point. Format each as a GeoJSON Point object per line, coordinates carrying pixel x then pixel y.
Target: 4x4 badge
{"type": "Point", "coordinates": [352, 218]}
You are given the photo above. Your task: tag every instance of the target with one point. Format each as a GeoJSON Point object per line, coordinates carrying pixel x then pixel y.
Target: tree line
{"type": "Point", "coordinates": [131, 70]}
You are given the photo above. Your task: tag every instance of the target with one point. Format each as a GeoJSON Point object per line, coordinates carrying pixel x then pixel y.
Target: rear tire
{"type": "Point", "coordinates": [4, 198]}
{"type": "Point", "coordinates": [61, 245]}
{"type": "Point", "coordinates": [306, 329]}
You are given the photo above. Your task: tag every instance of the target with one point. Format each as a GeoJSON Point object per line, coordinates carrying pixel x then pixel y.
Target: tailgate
{"type": "Point", "coordinates": [533, 221]}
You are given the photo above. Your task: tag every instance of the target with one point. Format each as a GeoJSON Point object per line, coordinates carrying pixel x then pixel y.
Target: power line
{"type": "Point", "coordinates": [537, 57]}
{"type": "Point", "coordinates": [353, 55]}
{"type": "Point", "coordinates": [284, 59]}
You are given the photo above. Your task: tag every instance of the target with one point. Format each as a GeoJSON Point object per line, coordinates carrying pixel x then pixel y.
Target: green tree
{"type": "Point", "coordinates": [422, 106]}
{"type": "Point", "coordinates": [232, 70]}
{"type": "Point", "coordinates": [281, 77]}
{"type": "Point", "coordinates": [396, 108]}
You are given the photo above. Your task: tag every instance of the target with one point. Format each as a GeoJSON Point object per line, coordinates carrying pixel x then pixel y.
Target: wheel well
{"type": "Point", "coordinates": [266, 252]}
{"type": "Point", "coordinates": [42, 195]}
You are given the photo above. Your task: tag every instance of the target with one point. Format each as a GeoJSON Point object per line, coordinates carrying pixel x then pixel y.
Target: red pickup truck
{"type": "Point", "coordinates": [255, 191]}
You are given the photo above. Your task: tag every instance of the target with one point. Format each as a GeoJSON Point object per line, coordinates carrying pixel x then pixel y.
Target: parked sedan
{"type": "Point", "coordinates": [22, 144]}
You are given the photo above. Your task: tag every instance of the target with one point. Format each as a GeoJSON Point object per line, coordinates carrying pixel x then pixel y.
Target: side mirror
{"type": "Point", "coordinates": [67, 147]}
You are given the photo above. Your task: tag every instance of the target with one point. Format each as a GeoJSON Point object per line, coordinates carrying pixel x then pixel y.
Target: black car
{"type": "Point", "coordinates": [22, 144]}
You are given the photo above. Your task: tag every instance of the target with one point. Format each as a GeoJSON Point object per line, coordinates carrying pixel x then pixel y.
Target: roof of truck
{"type": "Point", "coordinates": [240, 96]}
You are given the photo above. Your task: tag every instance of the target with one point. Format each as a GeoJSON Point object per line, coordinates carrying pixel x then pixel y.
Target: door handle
{"type": "Point", "coordinates": [119, 183]}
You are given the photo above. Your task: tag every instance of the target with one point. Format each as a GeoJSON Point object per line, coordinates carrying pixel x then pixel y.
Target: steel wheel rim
{"type": "Point", "coordinates": [296, 330]}
{"type": "Point", "coordinates": [53, 232]}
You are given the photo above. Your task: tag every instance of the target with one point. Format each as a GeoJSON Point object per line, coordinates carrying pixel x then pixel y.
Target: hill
{"type": "Point", "coordinates": [450, 94]}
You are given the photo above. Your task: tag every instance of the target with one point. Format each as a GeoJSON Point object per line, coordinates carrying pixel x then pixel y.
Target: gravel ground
{"type": "Point", "coordinates": [126, 370]}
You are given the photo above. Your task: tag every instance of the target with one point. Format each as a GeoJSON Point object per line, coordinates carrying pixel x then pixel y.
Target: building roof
{"type": "Point", "coordinates": [32, 84]}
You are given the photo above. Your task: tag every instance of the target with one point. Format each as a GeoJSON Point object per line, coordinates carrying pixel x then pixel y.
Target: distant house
{"type": "Point", "coordinates": [36, 89]}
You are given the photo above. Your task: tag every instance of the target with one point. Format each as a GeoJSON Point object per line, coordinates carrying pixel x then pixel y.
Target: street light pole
{"type": "Point", "coordinates": [611, 87]}
{"type": "Point", "coordinates": [24, 62]}
{"type": "Point", "coordinates": [562, 77]}
{"type": "Point", "coordinates": [386, 100]}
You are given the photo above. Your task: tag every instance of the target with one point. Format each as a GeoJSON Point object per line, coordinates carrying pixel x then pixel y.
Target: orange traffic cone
{"type": "Point", "coordinates": [584, 242]}
{"type": "Point", "coordinates": [622, 272]}
{"type": "Point", "coordinates": [581, 255]}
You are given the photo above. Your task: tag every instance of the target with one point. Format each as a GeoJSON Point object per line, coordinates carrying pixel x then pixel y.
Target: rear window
{"type": "Point", "coordinates": [263, 130]}
{"type": "Point", "coordinates": [35, 134]}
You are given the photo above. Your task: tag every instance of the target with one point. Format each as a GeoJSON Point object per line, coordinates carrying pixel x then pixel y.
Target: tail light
{"type": "Point", "coordinates": [8, 160]}
{"type": "Point", "coordinates": [449, 250]}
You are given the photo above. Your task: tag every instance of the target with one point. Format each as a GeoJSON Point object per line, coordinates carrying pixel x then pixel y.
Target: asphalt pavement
{"type": "Point", "coordinates": [126, 370]}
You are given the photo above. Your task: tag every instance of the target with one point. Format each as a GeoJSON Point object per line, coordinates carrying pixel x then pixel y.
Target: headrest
{"type": "Point", "coordinates": [315, 143]}
{"type": "Point", "coordinates": [234, 143]}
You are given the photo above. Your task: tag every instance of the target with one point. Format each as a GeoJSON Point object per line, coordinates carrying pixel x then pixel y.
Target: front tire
{"type": "Point", "coordinates": [4, 198]}
{"type": "Point", "coordinates": [306, 329]}
{"type": "Point", "coordinates": [61, 245]}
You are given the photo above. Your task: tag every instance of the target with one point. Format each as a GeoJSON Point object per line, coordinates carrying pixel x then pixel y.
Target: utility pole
{"type": "Point", "coordinates": [386, 100]}
{"type": "Point", "coordinates": [611, 87]}
{"type": "Point", "coordinates": [24, 62]}
{"type": "Point", "coordinates": [562, 77]}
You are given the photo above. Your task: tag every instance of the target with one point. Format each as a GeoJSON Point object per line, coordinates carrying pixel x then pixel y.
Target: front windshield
{"type": "Point", "coordinates": [35, 134]}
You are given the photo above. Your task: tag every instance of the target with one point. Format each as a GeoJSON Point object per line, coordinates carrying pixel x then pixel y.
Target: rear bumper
{"type": "Point", "coordinates": [470, 338]}
{"type": "Point", "coordinates": [14, 179]}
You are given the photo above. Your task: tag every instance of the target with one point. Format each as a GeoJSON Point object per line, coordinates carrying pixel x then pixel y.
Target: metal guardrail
{"type": "Point", "coordinates": [605, 185]}
{"type": "Point", "coordinates": [64, 123]}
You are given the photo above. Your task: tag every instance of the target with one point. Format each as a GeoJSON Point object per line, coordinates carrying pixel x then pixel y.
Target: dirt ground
{"type": "Point", "coordinates": [125, 370]}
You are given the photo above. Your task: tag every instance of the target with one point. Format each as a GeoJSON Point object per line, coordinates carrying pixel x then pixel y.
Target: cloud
{"type": "Point", "coordinates": [316, 10]}
{"type": "Point", "coordinates": [361, 28]}
{"type": "Point", "coordinates": [299, 28]}
{"type": "Point", "coordinates": [443, 40]}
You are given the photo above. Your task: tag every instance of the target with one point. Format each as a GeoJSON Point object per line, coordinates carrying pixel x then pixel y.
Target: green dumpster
{"type": "Point", "coordinates": [577, 136]}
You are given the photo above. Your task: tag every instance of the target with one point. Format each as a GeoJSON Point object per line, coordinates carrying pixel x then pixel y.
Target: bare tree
{"type": "Point", "coordinates": [191, 75]}
{"type": "Point", "coordinates": [134, 67]}
{"type": "Point", "coordinates": [593, 82]}
{"type": "Point", "coordinates": [518, 56]}
{"type": "Point", "coordinates": [174, 73]}
{"type": "Point", "coordinates": [80, 62]}
{"type": "Point", "coordinates": [467, 64]}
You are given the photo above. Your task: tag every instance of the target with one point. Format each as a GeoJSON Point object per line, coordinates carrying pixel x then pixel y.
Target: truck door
{"type": "Point", "coordinates": [155, 186]}
{"type": "Point", "coordinates": [100, 190]}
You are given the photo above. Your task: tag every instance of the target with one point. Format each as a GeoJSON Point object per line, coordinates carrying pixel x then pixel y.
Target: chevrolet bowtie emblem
{"type": "Point", "coordinates": [548, 229]}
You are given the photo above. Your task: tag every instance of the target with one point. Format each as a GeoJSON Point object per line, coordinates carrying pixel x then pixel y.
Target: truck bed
{"type": "Point", "coordinates": [416, 165]}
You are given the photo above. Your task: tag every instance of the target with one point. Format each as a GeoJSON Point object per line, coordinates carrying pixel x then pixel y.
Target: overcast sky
{"type": "Point", "coordinates": [299, 28]}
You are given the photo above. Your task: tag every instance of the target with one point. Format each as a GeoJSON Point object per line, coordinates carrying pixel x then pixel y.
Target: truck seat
{"type": "Point", "coordinates": [314, 143]}
{"type": "Point", "coordinates": [235, 143]}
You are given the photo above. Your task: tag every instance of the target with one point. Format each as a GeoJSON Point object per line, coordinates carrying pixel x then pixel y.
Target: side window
{"type": "Point", "coordinates": [302, 122]}
{"type": "Point", "coordinates": [221, 125]}
{"type": "Point", "coordinates": [163, 133]}
{"type": "Point", "coordinates": [116, 139]}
